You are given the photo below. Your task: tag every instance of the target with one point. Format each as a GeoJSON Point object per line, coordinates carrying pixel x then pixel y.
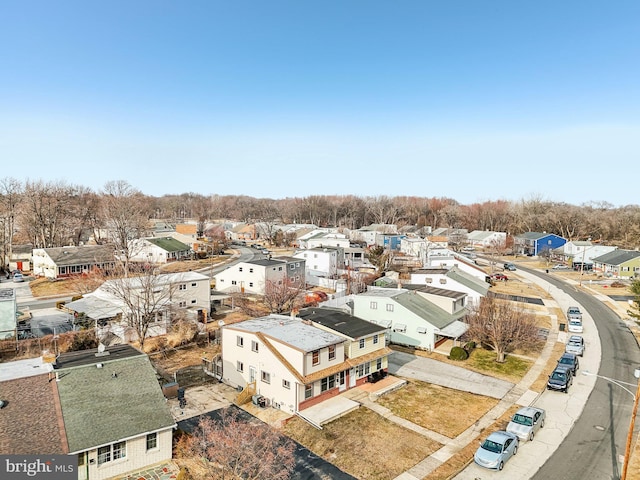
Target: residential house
{"type": "Point", "coordinates": [487, 240]}
{"type": "Point", "coordinates": [8, 313]}
{"type": "Point", "coordinates": [320, 239]}
{"type": "Point", "coordinates": [21, 258]}
{"type": "Point", "coordinates": [413, 320]}
{"type": "Point", "coordinates": [31, 420]}
{"type": "Point", "coordinates": [158, 250]}
{"type": "Point", "coordinates": [369, 233]}
{"type": "Point", "coordinates": [170, 293]}
{"type": "Point", "coordinates": [295, 364]}
{"type": "Point", "coordinates": [241, 232]}
{"type": "Point", "coordinates": [582, 251]}
{"type": "Point", "coordinates": [254, 276]}
{"type": "Point", "coordinates": [59, 262]}
{"type": "Point", "coordinates": [618, 263]}
{"type": "Point", "coordinates": [389, 241]}
{"type": "Point", "coordinates": [537, 243]}
{"type": "Point", "coordinates": [467, 265]}
{"type": "Point", "coordinates": [322, 262]}
{"type": "Point", "coordinates": [116, 418]}
{"type": "Point", "coordinates": [452, 278]}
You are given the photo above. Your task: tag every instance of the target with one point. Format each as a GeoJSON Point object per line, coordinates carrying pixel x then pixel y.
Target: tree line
{"type": "Point", "coordinates": [57, 213]}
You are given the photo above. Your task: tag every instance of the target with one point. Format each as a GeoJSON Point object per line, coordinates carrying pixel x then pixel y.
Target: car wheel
{"type": "Point", "coordinates": [531, 435]}
{"type": "Point", "coordinates": [542, 423]}
{"type": "Point", "coordinates": [500, 465]}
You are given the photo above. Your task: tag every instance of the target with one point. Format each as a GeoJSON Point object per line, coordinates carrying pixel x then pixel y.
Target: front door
{"type": "Point", "coordinates": [352, 377]}
{"type": "Point", "coordinates": [252, 374]}
{"type": "Point", "coordinates": [83, 466]}
{"type": "Point", "coordinates": [342, 385]}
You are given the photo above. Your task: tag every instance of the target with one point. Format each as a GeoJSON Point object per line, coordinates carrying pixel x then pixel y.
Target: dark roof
{"type": "Point", "coordinates": [617, 257]}
{"type": "Point", "coordinates": [93, 356]}
{"type": "Point", "coordinates": [86, 254]}
{"type": "Point", "coordinates": [169, 244]}
{"type": "Point", "coordinates": [340, 321]}
{"type": "Point", "coordinates": [31, 422]}
{"type": "Point", "coordinates": [120, 399]}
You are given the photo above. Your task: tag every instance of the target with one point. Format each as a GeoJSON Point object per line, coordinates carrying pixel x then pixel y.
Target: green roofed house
{"type": "Point", "coordinates": [156, 250]}
{"type": "Point", "coordinates": [115, 416]}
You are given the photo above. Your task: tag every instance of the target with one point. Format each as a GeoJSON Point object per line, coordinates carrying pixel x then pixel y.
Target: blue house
{"type": "Point", "coordinates": [390, 241]}
{"type": "Point", "coordinates": [537, 243]}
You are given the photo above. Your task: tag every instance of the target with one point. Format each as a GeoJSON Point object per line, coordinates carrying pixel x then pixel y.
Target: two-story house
{"type": "Point", "coordinates": [325, 262]}
{"type": "Point", "coordinates": [413, 319]}
{"type": "Point", "coordinates": [455, 279]}
{"type": "Point", "coordinates": [254, 276]}
{"type": "Point", "coordinates": [537, 243]}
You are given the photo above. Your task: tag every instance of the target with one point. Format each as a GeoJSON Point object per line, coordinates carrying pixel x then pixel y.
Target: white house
{"type": "Point", "coordinates": [466, 265]}
{"type": "Point", "coordinates": [583, 251]}
{"type": "Point", "coordinates": [485, 239]}
{"type": "Point", "coordinates": [255, 275]}
{"type": "Point", "coordinates": [453, 279]}
{"type": "Point", "coordinates": [8, 308]}
{"type": "Point", "coordinates": [369, 233]}
{"type": "Point", "coordinates": [157, 250]}
{"type": "Point", "coordinates": [321, 238]}
{"type": "Point", "coordinates": [296, 363]}
{"type": "Point", "coordinates": [187, 292]}
{"type": "Point", "coordinates": [60, 262]}
{"type": "Point", "coordinates": [115, 417]}
{"type": "Point", "coordinates": [322, 262]}
{"type": "Point", "coordinates": [413, 320]}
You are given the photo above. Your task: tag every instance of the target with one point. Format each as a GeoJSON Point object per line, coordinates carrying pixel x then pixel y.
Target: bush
{"type": "Point", "coordinates": [76, 297]}
{"type": "Point", "coordinates": [617, 284]}
{"type": "Point", "coordinates": [469, 346]}
{"type": "Point", "coordinates": [60, 304]}
{"type": "Point", "coordinates": [458, 353]}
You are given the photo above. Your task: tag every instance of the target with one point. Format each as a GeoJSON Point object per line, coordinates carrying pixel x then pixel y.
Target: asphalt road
{"type": "Point", "coordinates": [595, 447]}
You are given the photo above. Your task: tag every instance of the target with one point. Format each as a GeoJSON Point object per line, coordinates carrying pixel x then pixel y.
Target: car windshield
{"type": "Point", "coordinates": [523, 420]}
{"type": "Point", "coordinates": [565, 361]}
{"type": "Point", "coordinates": [574, 343]}
{"type": "Point", "coordinates": [574, 322]}
{"type": "Point", "coordinates": [492, 446]}
{"type": "Point", "coordinates": [558, 376]}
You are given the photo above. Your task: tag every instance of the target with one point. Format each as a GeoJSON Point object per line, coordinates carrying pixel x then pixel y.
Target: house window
{"type": "Point", "coordinates": [193, 284]}
{"type": "Point", "coordinates": [183, 304]}
{"type": "Point", "coordinates": [375, 339]}
{"type": "Point", "coordinates": [400, 327]}
{"type": "Point", "coordinates": [297, 264]}
{"type": "Point", "coordinates": [332, 352]}
{"type": "Point", "coordinates": [111, 452]}
{"type": "Point", "coordinates": [367, 368]}
{"type": "Point", "coordinates": [251, 284]}
{"type": "Point", "coordinates": [279, 269]}
{"type": "Point", "coordinates": [308, 391]}
{"type": "Point", "coordinates": [234, 282]}
{"type": "Point", "coordinates": [379, 364]}
{"type": "Point", "coordinates": [362, 343]}
{"type": "Point", "coordinates": [183, 286]}
{"type": "Point", "coordinates": [240, 366]}
{"type": "Point", "coordinates": [152, 441]}
{"type": "Point", "coordinates": [315, 357]}
{"type": "Point", "coordinates": [286, 384]}
{"type": "Point", "coordinates": [292, 267]}
{"type": "Point", "coordinates": [428, 280]}
{"type": "Point", "coordinates": [443, 281]}
{"type": "Point", "coordinates": [240, 269]}
{"type": "Point", "coordinates": [327, 383]}
{"type": "Point", "coordinates": [193, 301]}
{"type": "Point", "coordinates": [254, 346]}
{"type": "Point", "coordinates": [373, 305]}
{"type": "Point", "coordinates": [240, 341]}
{"type": "Point", "coordinates": [389, 307]}
{"type": "Point", "coordinates": [265, 376]}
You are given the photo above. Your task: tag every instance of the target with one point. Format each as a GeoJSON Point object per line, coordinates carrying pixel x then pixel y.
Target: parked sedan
{"type": "Point", "coordinates": [570, 361]}
{"type": "Point", "coordinates": [526, 422]}
{"type": "Point", "coordinates": [18, 277]}
{"type": "Point", "coordinates": [499, 276]}
{"type": "Point", "coordinates": [560, 266]}
{"type": "Point", "coordinates": [560, 379]}
{"type": "Point", "coordinates": [575, 345]}
{"type": "Point", "coordinates": [499, 447]}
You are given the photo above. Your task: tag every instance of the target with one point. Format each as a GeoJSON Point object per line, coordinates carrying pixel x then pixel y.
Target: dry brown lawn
{"type": "Point", "coordinates": [461, 459]}
{"type": "Point", "coordinates": [443, 410]}
{"type": "Point", "coordinates": [174, 359]}
{"type": "Point", "coordinates": [364, 444]}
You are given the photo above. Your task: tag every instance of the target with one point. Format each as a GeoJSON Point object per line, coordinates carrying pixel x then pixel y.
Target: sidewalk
{"type": "Point", "coordinates": [558, 423]}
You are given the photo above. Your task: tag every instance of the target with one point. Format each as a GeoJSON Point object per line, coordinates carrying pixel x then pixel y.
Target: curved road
{"type": "Point", "coordinates": [595, 447]}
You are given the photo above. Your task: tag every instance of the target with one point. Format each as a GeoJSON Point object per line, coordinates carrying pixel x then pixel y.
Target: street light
{"type": "Point", "coordinates": [632, 423]}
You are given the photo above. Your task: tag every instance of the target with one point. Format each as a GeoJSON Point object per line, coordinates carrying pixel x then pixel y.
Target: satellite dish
{"type": "Point", "coordinates": [101, 347]}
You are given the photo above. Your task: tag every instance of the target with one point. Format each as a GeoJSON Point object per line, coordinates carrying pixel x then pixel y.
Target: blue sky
{"type": "Point", "coordinates": [469, 100]}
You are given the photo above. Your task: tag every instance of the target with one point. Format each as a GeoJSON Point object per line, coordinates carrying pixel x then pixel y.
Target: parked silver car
{"type": "Point", "coordinates": [526, 422]}
{"type": "Point", "coordinates": [575, 345]}
{"type": "Point", "coordinates": [499, 447]}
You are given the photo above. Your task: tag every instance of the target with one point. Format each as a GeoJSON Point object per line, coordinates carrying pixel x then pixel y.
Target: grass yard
{"type": "Point", "coordinates": [484, 361]}
{"type": "Point", "coordinates": [364, 444]}
{"type": "Point", "coordinates": [441, 409]}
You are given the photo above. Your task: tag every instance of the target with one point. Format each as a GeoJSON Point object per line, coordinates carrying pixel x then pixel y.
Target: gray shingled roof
{"type": "Point", "coordinates": [617, 257]}
{"type": "Point", "coordinates": [86, 254]}
{"type": "Point", "coordinates": [340, 321]}
{"type": "Point", "coordinates": [468, 280]}
{"type": "Point", "coordinates": [99, 408]}
{"type": "Point", "coordinates": [430, 312]}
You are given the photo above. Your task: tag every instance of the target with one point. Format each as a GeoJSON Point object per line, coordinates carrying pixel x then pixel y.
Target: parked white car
{"type": "Point", "coordinates": [575, 345]}
{"type": "Point", "coordinates": [575, 325]}
{"type": "Point", "coordinates": [526, 422]}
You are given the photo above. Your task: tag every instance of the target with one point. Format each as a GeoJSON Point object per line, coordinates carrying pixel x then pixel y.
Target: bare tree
{"type": "Point", "coordinates": [10, 196]}
{"type": "Point", "coordinates": [502, 325]}
{"type": "Point", "coordinates": [283, 296]}
{"type": "Point", "coordinates": [125, 218]}
{"type": "Point", "coordinates": [147, 299]}
{"type": "Point", "coordinates": [231, 448]}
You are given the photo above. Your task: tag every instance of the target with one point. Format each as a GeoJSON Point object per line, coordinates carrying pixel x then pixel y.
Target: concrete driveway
{"type": "Point", "coordinates": [432, 371]}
